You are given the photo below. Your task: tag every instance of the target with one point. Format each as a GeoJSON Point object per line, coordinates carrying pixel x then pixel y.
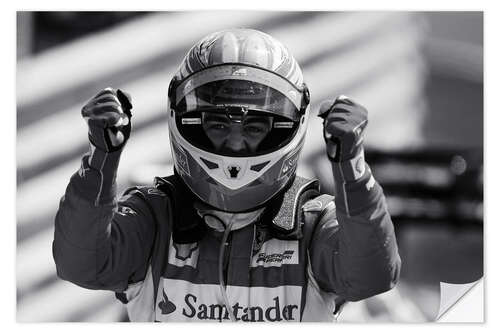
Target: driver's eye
{"type": "Point", "coordinates": [254, 129]}
{"type": "Point", "coordinates": [218, 126]}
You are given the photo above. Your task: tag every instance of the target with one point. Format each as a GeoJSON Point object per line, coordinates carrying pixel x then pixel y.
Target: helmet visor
{"type": "Point", "coordinates": [250, 113]}
{"type": "Point", "coordinates": [237, 85]}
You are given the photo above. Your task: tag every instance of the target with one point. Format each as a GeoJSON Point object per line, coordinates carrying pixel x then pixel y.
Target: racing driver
{"type": "Point", "coordinates": [234, 234]}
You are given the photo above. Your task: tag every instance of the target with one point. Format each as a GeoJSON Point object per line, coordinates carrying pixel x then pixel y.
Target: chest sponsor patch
{"type": "Point", "coordinates": [180, 300]}
{"type": "Point", "coordinates": [276, 252]}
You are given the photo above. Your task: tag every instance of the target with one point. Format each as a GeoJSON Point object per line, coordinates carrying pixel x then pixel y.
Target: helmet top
{"type": "Point", "coordinates": [241, 46]}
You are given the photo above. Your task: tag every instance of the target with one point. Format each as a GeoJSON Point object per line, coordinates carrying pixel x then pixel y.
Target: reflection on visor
{"type": "Point", "coordinates": [238, 93]}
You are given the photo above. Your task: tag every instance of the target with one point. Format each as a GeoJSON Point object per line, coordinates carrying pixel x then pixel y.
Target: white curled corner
{"type": "Point", "coordinates": [454, 298]}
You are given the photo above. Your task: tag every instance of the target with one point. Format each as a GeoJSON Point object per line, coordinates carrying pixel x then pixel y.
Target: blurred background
{"type": "Point", "coordinates": [420, 75]}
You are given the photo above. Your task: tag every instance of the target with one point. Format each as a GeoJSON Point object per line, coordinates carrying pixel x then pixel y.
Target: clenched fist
{"type": "Point", "coordinates": [343, 127]}
{"type": "Point", "coordinates": [108, 118]}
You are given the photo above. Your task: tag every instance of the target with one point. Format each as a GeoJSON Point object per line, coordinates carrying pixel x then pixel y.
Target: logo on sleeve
{"type": "Point", "coordinates": [155, 191]}
{"type": "Point", "coordinates": [124, 211]}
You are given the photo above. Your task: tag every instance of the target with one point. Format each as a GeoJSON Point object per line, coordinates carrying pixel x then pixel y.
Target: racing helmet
{"type": "Point", "coordinates": [240, 75]}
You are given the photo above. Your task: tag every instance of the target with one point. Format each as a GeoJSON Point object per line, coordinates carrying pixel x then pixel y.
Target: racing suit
{"type": "Point", "coordinates": [347, 251]}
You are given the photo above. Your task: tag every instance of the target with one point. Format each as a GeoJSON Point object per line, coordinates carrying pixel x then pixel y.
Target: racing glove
{"type": "Point", "coordinates": [343, 130]}
{"type": "Point", "coordinates": [344, 126]}
{"type": "Point", "coordinates": [108, 117]}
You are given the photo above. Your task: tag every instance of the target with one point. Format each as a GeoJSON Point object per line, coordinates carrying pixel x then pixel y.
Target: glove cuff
{"type": "Point", "coordinates": [103, 161]}
{"type": "Point", "coordinates": [96, 179]}
{"type": "Point", "coordinates": [355, 187]}
{"type": "Point", "coordinates": [106, 141]}
{"type": "Point", "coordinates": [352, 169]}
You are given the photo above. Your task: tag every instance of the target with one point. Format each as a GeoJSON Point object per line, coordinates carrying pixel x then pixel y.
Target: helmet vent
{"type": "Point", "coordinates": [210, 165]}
{"type": "Point", "coordinates": [233, 170]}
{"type": "Point", "coordinates": [258, 167]}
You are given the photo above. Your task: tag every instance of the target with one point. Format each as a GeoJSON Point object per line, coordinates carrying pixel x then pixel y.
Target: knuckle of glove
{"type": "Point", "coordinates": [350, 105]}
{"type": "Point", "coordinates": [346, 100]}
{"type": "Point", "coordinates": [105, 109]}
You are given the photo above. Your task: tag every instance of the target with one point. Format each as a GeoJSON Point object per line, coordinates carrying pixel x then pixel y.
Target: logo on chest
{"type": "Point", "coordinates": [275, 252]}
{"type": "Point", "coordinates": [187, 301]}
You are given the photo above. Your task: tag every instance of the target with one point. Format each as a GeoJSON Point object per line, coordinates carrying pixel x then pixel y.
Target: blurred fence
{"type": "Point", "coordinates": [373, 57]}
